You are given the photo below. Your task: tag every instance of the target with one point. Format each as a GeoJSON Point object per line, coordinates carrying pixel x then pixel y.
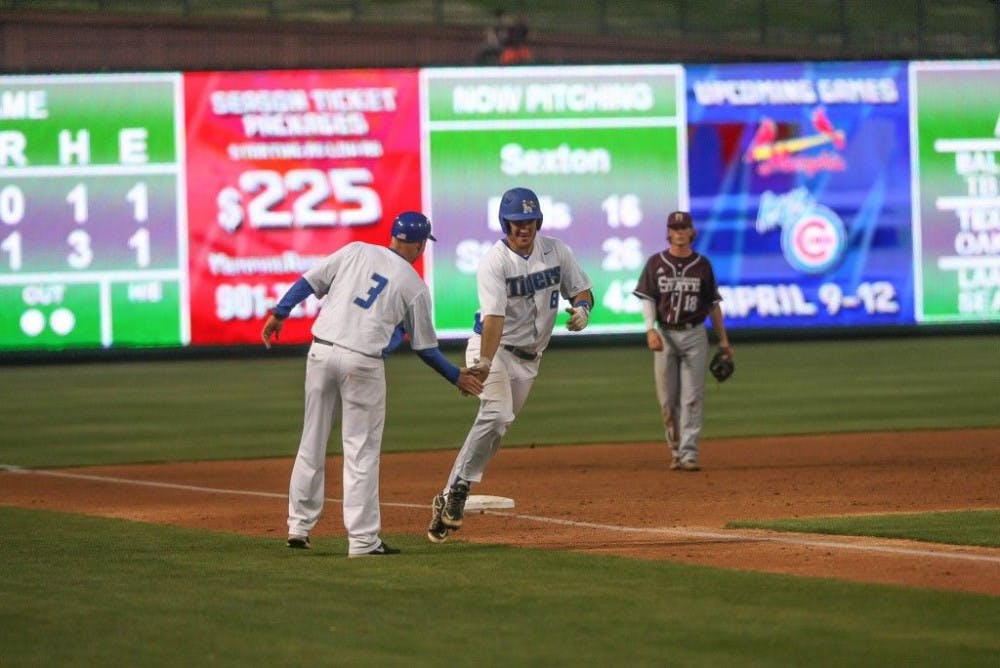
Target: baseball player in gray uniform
{"type": "Point", "coordinates": [370, 292]}
{"type": "Point", "coordinates": [519, 282]}
{"type": "Point", "coordinates": [678, 291]}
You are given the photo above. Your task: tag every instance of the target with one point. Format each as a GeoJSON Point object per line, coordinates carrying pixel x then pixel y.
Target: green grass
{"type": "Point", "coordinates": [86, 591]}
{"type": "Point", "coordinates": [971, 527]}
{"type": "Point", "coordinates": [148, 411]}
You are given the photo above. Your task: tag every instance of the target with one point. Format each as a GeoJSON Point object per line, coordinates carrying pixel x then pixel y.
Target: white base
{"type": "Point", "coordinates": [488, 502]}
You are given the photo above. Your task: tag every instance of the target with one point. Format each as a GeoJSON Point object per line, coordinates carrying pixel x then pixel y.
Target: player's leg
{"type": "Point", "coordinates": [481, 443]}
{"type": "Point", "coordinates": [306, 487]}
{"type": "Point", "coordinates": [487, 429]}
{"type": "Point", "coordinates": [494, 415]}
{"type": "Point", "coordinates": [693, 344]}
{"type": "Point", "coordinates": [522, 375]}
{"type": "Point", "coordinates": [363, 392]}
{"type": "Point", "coordinates": [665, 377]}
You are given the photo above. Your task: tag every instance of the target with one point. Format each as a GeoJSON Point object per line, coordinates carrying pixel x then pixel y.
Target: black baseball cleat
{"type": "Point", "coordinates": [437, 532]}
{"type": "Point", "coordinates": [381, 550]}
{"type": "Point", "coordinates": [298, 542]}
{"type": "Point", "coordinates": [454, 507]}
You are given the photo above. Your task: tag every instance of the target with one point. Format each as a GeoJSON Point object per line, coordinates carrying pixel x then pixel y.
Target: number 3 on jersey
{"type": "Point", "coordinates": [373, 292]}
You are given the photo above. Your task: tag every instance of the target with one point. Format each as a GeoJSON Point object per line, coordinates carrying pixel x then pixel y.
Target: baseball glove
{"type": "Point", "coordinates": [721, 366]}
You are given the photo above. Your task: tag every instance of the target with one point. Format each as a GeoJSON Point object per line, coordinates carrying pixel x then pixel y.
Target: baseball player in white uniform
{"type": "Point", "coordinates": [370, 291]}
{"type": "Point", "coordinates": [519, 281]}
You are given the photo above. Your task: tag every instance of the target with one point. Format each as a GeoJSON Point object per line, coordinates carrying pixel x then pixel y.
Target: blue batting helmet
{"type": "Point", "coordinates": [519, 204]}
{"type": "Point", "coordinates": [412, 226]}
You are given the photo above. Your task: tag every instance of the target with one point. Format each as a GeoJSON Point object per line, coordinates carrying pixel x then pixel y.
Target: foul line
{"type": "Point", "coordinates": [663, 531]}
{"type": "Point", "coordinates": [736, 537]}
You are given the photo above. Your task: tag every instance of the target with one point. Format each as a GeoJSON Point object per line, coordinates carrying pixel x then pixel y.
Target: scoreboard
{"type": "Point", "coordinates": [956, 222]}
{"type": "Point", "coordinates": [92, 237]}
{"type": "Point", "coordinates": [602, 147]}
{"type": "Point", "coordinates": [174, 209]}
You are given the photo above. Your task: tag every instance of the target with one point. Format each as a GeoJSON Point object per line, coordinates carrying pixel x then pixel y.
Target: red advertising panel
{"type": "Point", "coordinates": [283, 168]}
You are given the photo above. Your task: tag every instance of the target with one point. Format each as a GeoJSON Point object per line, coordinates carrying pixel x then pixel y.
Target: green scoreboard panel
{"type": "Point", "coordinates": [956, 222]}
{"type": "Point", "coordinates": [603, 147]}
{"type": "Point", "coordinates": [92, 238]}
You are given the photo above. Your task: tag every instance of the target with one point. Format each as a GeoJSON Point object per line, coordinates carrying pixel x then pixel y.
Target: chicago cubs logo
{"type": "Point", "coordinates": [813, 237]}
{"type": "Point", "coordinates": [814, 242]}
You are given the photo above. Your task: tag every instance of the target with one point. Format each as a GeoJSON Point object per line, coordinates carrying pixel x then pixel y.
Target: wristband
{"type": "Point", "coordinates": [582, 304]}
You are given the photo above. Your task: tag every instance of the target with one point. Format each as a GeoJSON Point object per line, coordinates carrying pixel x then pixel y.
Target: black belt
{"type": "Point", "coordinates": [324, 342]}
{"type": "Point", "coordinates": [523, 354]}
{"type": "Point", "coordinates": [680, 327]}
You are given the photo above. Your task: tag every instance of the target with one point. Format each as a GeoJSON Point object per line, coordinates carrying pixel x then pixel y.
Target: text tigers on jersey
{"type": "Point", "coordinates": [527, 286]}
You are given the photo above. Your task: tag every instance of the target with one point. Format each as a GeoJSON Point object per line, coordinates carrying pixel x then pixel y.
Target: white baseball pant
{"type": "Point", "coordinates": [679, 375]}
{"type": "Point", "coordinates": [338, 378]}
{"type": "Point", "coordinates": [504, 393]}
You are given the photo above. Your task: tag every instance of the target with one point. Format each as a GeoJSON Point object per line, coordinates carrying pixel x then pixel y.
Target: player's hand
{"type": "Point", "coordinates": [481, 368]}
{"type": "Point", "coordinates": [653, 340]}
{"type": "Point", "coordinates": [271, 328]}
{"type": "Point", "coordinates": [579, 316]}
{"type": "Point", "coordinates": [469, 383]}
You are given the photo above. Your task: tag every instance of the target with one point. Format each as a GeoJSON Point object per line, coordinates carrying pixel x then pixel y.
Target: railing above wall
{"type": "Point", "coordinates": [55, 35]}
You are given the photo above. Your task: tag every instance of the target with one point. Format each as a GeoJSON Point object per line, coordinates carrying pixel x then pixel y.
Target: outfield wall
{"type": "Point", "coordinates": [170, 210]}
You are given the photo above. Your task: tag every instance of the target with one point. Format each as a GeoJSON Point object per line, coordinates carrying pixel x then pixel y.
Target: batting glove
{"type": "Point", "coordinates": [579, 316]}
{"type": "Point", "coordinates": [481, 369]}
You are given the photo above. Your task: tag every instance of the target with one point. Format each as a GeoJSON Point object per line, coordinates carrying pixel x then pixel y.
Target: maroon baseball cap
{"type": "Point", "coordinates": [679, 219]}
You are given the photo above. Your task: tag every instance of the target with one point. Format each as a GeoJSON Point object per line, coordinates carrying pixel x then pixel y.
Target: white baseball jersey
{"type": "Point", "coordinates": [525, 291]}
{"type": "Point", "coordinates": [369, 290]}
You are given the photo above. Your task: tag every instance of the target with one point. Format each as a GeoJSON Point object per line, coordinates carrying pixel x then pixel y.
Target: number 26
{"type": "Point", "coordinates": [373, 292]}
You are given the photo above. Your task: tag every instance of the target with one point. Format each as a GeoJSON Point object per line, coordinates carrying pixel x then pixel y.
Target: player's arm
{"type": "Point", "coordinates": [464, 379]}
{"type": "Point", "coordinates": [395, 341]}
{"type": "Point", "coordinates": [423, 340]}
{"type": "Point", "coordinates": [492, 331]}
{"type": "Point", "coordinates": [585, 298]}
{"type": "Point", "coordinates": [575, 278]}
{"type": "Point", "coordinates": [488, 345]}
{"type": "Point", "coordinates": [300, 290]}
{"type": "Point", "coordinates": [653, 339]}
{"type": "Point", "coordinates": [647, 295]}
{"type": "Point", "coordinates": [492, 289]}
{"type": "Point", "coordinates": [715, 315]}
{"type": "Point", "coordinates": [719, 325]}
{"type": "Point", "coordinates": [579, 313]}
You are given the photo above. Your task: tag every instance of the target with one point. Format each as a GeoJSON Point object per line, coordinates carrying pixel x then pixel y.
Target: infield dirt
{"type": "Point", "coordinates": [610, 499]}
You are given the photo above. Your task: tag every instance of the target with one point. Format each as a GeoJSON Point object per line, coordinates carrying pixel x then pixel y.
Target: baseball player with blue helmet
{"type": "Point", "coordinates": [520, 281]}
{"type": "Point", "coordinates": [372, 293]}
